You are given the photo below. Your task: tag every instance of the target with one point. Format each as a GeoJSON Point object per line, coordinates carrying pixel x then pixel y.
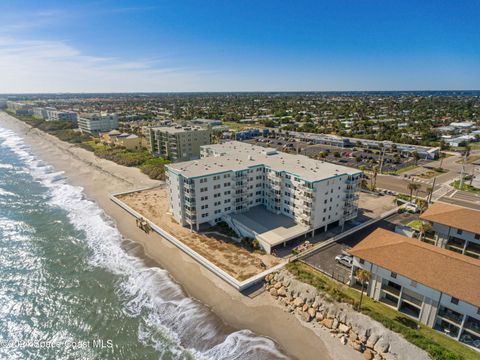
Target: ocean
{"type": "Point", "coordinates": [71, 287]}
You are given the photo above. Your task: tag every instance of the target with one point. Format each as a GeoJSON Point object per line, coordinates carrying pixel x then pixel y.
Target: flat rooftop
{"type": "Point", "coordinates": [236, 156]}
{"type": "Point", "coordinates": [177, 129]}
{"type": "Point", "coordinates": [272, 228]}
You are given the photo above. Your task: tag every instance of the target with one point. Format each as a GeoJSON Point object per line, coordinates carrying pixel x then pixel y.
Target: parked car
{"type": "Point", "coordinates": [344, 260]}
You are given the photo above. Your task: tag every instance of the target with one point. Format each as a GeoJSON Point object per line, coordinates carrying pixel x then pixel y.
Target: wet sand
{"type": "Point", "coordinates": [101, 177]}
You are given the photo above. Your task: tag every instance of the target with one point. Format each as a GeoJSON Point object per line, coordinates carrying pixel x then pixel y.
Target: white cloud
{"type": "Point", "coordinates": [56, 66]}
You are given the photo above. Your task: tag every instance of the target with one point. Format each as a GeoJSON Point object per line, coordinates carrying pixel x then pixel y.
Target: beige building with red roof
{"type": "Point", "coordinates": [437, 287]}
{"type": "Point", "coordinates": [454, 228]}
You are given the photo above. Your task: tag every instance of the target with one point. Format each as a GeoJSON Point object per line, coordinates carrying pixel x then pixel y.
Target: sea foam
{"type": "Point", "coordinates": [171, 321]}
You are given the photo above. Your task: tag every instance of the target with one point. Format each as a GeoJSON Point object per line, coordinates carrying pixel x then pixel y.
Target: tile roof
{"type": "Point", "coordinates": [454, 274]}
{"type": "Point", "coordinates": [454, 216]}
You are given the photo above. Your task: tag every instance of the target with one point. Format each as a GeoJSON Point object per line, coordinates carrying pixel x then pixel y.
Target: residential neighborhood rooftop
{"type": "Point", "coordinates": [454, 216]}
{"type": "Point", "coordinates": [454, 274]}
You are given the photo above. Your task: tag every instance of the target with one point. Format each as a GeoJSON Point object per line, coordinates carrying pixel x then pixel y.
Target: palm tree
{"type": "Point", "coordinates": [424, 228]}
{"type": "Point", "coordinates": [363, 276]}
{"type": "Point", "coordinates": [413, 186]}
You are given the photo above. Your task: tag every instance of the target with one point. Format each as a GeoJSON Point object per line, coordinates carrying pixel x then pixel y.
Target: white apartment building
{"type": "Point", "coordinates": [455, 228]}
{"type": "Point", "coordinates": [177, 143]}
{"type": "Point", "coordinates": [61, 115]}
{"type": "Point", "coordinates": [52, 114]}
{"type": "Point", "coordinates": [235, 177]}
{"type": "Point", "coordinates": [40, 113]}
{"type": "Point", "coordinates": [98, 122]}
{"type": "Point", "coordinates": [437, 287]}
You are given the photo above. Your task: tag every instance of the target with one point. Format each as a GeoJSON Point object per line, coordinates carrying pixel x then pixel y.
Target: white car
{"type": "Point", "coordinates": [345, 260]}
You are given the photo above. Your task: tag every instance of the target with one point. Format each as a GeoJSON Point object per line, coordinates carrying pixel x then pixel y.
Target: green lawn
{"type": "Point", "coordinates": [235, 126]}
{"type": "Point", "coordinates": [466, 187]}
{"type": "Point", "coordinates": [403, 170]}
{"type": "Point", "coordinates": [438, 345]}
{"type": "Point", "coordinates": [415, 224]}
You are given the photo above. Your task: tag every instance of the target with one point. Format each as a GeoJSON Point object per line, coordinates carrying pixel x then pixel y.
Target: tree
{"type": "Point", "coordinates": [413, 186]}
{"type": "Point", "coordinates": [363, 276]}
{"type": "Point", "coordinates": [424, 228]}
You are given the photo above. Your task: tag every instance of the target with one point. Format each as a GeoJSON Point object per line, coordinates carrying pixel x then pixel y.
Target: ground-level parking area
{"type": "Point", "coordinates": [324, 258]}
{"type": "Point", "coordinates": [352, 156]}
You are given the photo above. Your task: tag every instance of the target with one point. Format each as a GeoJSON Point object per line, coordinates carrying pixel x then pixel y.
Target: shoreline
{"type": "Point", "coordinates": [99, 178]}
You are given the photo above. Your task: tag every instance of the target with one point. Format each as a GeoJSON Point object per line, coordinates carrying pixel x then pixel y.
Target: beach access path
{"type": "Point", "coordinates": [100, 177]}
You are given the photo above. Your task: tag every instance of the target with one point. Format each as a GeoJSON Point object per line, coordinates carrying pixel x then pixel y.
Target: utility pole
{"type": "Point", "coordinates": [381, 160]}
{"type": "Point", "coordinates": [431, 192]}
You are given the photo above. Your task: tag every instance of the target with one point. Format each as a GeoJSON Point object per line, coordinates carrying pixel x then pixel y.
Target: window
{"type": "Point", "coordinates": [454, 300]}
{"type": "Point", "coordinates": [459, 232]}
{"type": "Point", "coordinates": [362, 261]}
{"type": "Point", "coordinates": [413, 283]}
{"type": "Point", "coordinates": [393, 275]}
{"type": "Point", "coordinates": [216, 187]}
{"type": "Point", "coordinates": [477, 236]}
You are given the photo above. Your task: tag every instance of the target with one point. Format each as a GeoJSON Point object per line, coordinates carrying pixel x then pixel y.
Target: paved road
{"type": "Point", "coordinates": [324, 258]}
{"type": "Point", "coordinates": [462, 198]}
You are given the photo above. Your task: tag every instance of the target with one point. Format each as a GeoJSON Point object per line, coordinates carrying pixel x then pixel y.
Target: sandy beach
{"type": "Point", "coordinates": [101, 177]}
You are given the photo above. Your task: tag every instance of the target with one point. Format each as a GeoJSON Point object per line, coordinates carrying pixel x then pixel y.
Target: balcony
{"type": "Point", "coordinates": [412, 300]}
{"type": "Point", "coordinates": [450, 315]}
{"type": "Point", "coordinates": [473, 325]}
{"type": "Point", "coordinates": [390, 300]}
{"type": "Point", "coordinates": [455, 244]}
{"type": "Point", "coordinates": [392, 288]}
{"type": "Point", "coordinates": [473, 250]}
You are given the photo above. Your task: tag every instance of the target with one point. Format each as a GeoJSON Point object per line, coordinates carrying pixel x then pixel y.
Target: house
{"type": "Point", "coordinates": [434, 286]}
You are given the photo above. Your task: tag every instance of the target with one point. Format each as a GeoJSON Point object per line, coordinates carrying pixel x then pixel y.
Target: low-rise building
{"type": "Point", "coordinates": [437, 287]}
{"type": "Point", "coordinates": [116, 138]}
{"type": "Point", "coordinates": [177, 143]}
{"type": "Point", "coordinates": [233, 178]}
{"type": "Point", "coordinates": [98, 122]}
{"type": "Point", "coordinates": [454, 228]}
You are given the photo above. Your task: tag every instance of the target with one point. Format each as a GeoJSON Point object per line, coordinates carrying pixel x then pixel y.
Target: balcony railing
{"type": "Point", "coordinates": [412, 300]}
{"type": "Point", "coordinates": [450, 315]}
{"type": "Point", "coordinates": [472, 324]}
{"type": "Point", "coordinates": [390, 289]}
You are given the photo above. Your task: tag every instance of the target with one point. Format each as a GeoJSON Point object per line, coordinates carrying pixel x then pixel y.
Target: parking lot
{"type": "Point", "coordinates": [353, 157]}
{"type": "Point", "coordinates": [324, 258]}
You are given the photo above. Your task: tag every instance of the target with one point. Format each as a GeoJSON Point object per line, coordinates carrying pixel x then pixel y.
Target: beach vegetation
{"type": "Point", "coordinates": [436, 344]}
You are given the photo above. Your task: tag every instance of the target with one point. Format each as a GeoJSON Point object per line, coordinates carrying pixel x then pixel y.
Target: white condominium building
{"type": "Point", "coordinates": [61, 115]}
{"type": "Point", "coordinates": [93, 123]}
{"type": "Point", "coordinates": [177, 143]}
{"type": "Point", "coordinates": [234, 177]}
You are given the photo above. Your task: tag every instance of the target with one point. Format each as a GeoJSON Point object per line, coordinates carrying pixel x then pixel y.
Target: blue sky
{"type": "Point", "coordinates": [244, 45]}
